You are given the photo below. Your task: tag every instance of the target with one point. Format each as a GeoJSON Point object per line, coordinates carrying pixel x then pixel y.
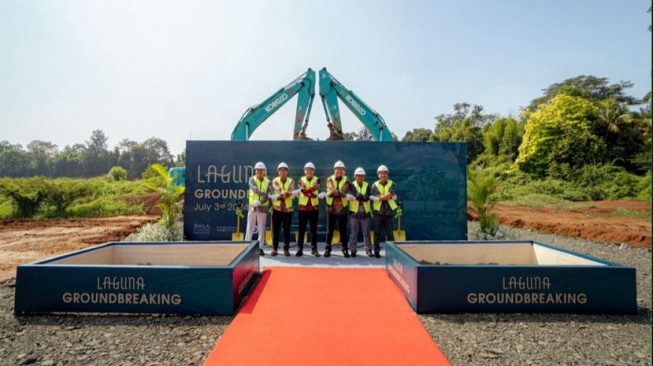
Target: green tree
{"type": "Point", "coordinates": [464, 125]}
{"type": "Point", "coordinates": [62, 193]}
{"type": "Point", "coordinates": [480, 192]}
{"type": "Point", "coordinates": [43, 152]}
{"type": "Point", "coordinates": [554, 131]}
{"type": "Point", "coordinates": [118, 173]}
{"type": "Point", "coordinates": [418, 134]}
{"type": "Point", "coordinates": [589, 87]}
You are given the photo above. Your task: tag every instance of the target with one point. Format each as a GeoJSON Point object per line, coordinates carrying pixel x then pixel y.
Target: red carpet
{"type": "Point", "coordinates": [326, 316]}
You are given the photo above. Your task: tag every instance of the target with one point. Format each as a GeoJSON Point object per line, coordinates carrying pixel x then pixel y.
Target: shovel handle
{"type": "Point", "coordinates": [399, 223]}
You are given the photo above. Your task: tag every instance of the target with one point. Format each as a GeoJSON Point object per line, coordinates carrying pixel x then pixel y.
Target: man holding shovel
{"type": "Point", "coordinates": [385, 205]}
{"type": "Point", "coordinates": [259, 189]}
{"type": "Point", "coordinates": [359, 212]}
{"type": "Point", "coordinates": [282, 209]}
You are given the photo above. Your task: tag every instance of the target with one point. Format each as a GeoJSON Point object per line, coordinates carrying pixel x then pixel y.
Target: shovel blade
{"type": "Point", "coordinates": [336, 238]}
{"type": "Point", "coordinates": [400, 235]}
{"type": "Point", "coordinates": [237, 236]}
{"type": "Point", "coordinates": [268, 237]}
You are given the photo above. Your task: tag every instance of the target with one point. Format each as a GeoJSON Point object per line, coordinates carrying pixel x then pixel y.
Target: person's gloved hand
{"type": "Point", "coordinates": [295, 193]}
{"type": "Point", "coordinates": [256, 203]}
{"type": "Point", "coordinates": [374, 198]}
{"type": "Point", "coordinates": [272, 197]}
{"type": "Point", "coordinates": [394, 197]}
{"type": "Point", "coordinates": [351, 197]}
{"type": "Point", "coordinates": [321, 195]}
{"type": "Point", "coordinates": [360, 197]}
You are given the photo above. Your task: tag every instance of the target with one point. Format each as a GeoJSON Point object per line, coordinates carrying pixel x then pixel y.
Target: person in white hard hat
{"type": "Point", "coordinates": [336, 200]}
{"type": "Point", "coordinates": [308, 209]}
{"type": "Point", "coordinates": [282, 187]}
{"type": "Point", "coordinates": [259, 190]}
{"type": "Point", "coordinates": [359, 212]}
{"type": "Point", "coordinates": [384, 207]}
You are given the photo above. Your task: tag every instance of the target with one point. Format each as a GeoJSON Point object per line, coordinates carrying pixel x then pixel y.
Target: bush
{"type": "Point", "coordinates": [118, 173]}
{"type": "Point", "coordinates": [158, 231]}
{"type": "Point", "coordinates": [61, 193]}
{"type": "Point", "coordinates": [105, 206]}
{"type": "Point", "coordinates": [26, 194]}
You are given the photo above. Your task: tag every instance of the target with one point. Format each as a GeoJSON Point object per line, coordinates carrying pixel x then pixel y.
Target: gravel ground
{"type": "Point", "coordinates": [466, 339]}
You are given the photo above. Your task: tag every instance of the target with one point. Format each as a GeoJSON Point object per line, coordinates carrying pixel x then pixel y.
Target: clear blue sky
{"type": "Point", "coordinates": [181, 70]}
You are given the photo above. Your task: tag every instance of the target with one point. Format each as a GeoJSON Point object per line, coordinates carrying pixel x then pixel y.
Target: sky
{"type": "Point", "coordinates": [188, 70]}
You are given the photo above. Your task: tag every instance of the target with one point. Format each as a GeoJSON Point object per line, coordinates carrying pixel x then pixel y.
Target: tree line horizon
{"type": "Point", "coordinates": [578, 122]}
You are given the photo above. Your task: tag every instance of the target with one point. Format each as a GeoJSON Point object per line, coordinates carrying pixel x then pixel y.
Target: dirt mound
{"type": "Point", "coordinates": [150, 202]}
{"type": "Point", "coordinates": [605, 221]}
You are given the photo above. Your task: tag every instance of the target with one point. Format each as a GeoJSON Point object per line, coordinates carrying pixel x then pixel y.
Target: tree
{"type": "Point", "coordinates": [465, 125]}
{"type": "Point", "coordinates": [555, 133]}
{"type": "Point", "coordinates": [14, 161]}
{"type": "Point", "coordinates": [43, 152]}
{"type": "Point", "coordinates": [96, 158]}
{"type": "Point", "coordinates": [418, 134]}
{"type": "Point", "coordinates": [589, 87]}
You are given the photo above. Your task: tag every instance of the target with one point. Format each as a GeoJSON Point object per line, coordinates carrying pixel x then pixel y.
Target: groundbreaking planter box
{"type": "Point", "coordinates": [510, 277]}
{"type": "Point", "coordinates": [122, 277]}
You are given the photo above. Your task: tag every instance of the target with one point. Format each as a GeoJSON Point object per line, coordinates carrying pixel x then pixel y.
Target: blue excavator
{"type": "Point", "coordinates": [304, 86]}
{"type": "Point", "coordinates": [330, 90]}
{"type": "Point", "coordinates": [255, 115]}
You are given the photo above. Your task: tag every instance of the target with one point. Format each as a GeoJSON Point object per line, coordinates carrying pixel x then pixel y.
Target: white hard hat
{"type": "Point", "coordinates": [382, 168]}
{"type": "Point", "coordinates": [309, 165]}
{"type": "Point", "coordinates": [259, 165]}
{"type": "Point", "coordinates": [282, 165]}
{"type": "Point", "coordinates": [339, 164]}
{"type": "Point", "coordinates": [359, 171]}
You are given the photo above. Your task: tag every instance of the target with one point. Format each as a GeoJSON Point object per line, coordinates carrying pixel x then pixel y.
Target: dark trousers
{"type": "Point", "coordinates": [309, 217]}
{"type": "Point", "coordinates": [382, 222]}
{"type": "Point", "coordinates": [341, 220]}
{"type": "Point", "coordinates": [279, 220]}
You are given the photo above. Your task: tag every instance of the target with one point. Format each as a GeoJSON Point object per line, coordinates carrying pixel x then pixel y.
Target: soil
{"type": "Point", "coordinates": [24, 241]}
{"type": "Point", "coordinates": [616, 222]}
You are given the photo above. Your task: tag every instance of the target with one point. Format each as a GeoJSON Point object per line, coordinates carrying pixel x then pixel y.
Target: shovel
{"type": "Point", "coordinates": [399, 234]}
{"type": "Point", "coordinates": [238, 236]}
{"type": "Point", "coordinates": [268, 233]}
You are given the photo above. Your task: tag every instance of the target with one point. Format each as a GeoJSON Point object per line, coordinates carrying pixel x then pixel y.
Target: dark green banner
{"type": "Point", "coordinates": [430, 178]}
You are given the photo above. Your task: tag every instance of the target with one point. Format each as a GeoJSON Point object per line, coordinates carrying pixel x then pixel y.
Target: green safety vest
{"type": "Point", "coordinates": [353, 205]}
{"type": "Point", "coordinates": [277, 203]}
{"type": "Point", "coordinates": [263, 187]}
{"type": "Point", "coordinates": [383, 190]}
{"type": "Point", "coordinates": [329, 200]}
{"type": "Point", "coordinates": [303, 200]}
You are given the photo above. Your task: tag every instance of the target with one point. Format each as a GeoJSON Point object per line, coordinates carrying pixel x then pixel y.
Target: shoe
{"type": "Point", "coordinates": [286, 252]}
{"type": "Point", "coordinates": [300, 252]}
{"type": "Point", "coordinates": [345, 253]}
{"type": "Point", "coordinates": [315, 253]}
{"type": "Point", "coordinates": [261, 252]}
{"type": "Point", "coordinates": [327, 253]}
{"type": "Point", "coordinates": [274, 253]}
{"type": "Point", "coordinates": [353, 254]}
{"type": "Point", "coordinates": [369, 253]}
{"type": "Point", "coordinates": [377, 255]}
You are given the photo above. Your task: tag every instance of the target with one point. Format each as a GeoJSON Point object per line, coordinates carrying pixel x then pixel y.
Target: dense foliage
{"type": "Point", "coordinates": [584, 139]}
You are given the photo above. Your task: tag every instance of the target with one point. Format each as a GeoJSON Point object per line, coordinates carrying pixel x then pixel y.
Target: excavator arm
{"type": "Point", "coordinates": [330, 90]}
{"type": "Point", "coordinates": [254, 116]}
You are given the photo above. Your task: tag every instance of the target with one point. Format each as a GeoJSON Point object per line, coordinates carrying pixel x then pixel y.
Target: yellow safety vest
{"type": "Point", "coordinates": [303, 200]}
{"type": "Point", "coordinates": [383, 190]}
{"type": "Point", "coordinates": [329, 200]}
{"type": "Point", "coordinates": [288, 200]}
{"type": "Point", "coordinates": [263, 187]}
{"type": "Point", "coordinates": [353, 205]}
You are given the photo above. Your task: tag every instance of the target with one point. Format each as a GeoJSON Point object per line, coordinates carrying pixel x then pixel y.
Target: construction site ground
{"type": "Point", "coordinates": [24, 241]}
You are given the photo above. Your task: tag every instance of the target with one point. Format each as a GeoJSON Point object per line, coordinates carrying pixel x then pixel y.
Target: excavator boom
{"type": "Point", "coordinates": [330, 90]}
{"type": "Point", "coordinates": [254, 116]}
